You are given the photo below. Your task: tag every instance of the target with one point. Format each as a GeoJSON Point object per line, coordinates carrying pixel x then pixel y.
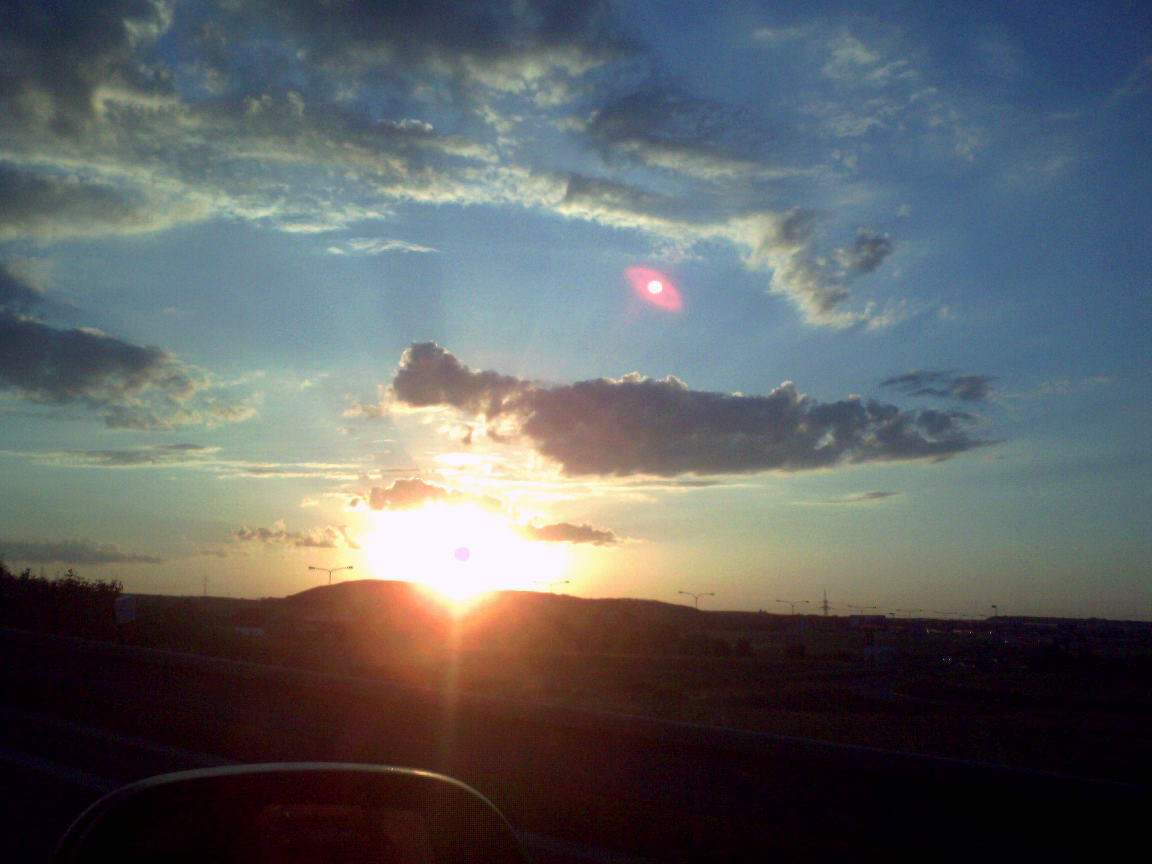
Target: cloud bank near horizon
{"type": "Point", "coordinates": [87, 552]}
{"type": "Point", "coordinates": [410, 493]}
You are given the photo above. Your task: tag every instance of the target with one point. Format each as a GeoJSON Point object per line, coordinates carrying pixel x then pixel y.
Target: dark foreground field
{"type": "Point", "coordinates": [612, 787]}
{"type": "Point", "coordinates": [624, 731]}
{"type": "Point", "coordinates": [1044, 695]}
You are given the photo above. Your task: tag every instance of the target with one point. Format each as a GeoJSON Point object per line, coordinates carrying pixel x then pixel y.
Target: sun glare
{"type": "Point", "coordinates": [654, 288]}
{"type": "Point", "coordinates": [460, 551]}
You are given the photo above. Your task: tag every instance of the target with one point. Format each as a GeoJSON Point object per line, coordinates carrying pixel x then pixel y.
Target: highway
{"type": "Point", "coordinates": [79, 718]}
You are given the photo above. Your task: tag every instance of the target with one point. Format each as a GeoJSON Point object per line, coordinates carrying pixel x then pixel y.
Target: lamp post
{"type": "Point", "coordinates": [696, 597]}
{"type": "Point", "coordinates": [330, 570]}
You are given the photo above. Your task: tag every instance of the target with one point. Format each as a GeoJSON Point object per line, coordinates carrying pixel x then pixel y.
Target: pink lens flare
{"type": "Point", "coordinates": [654, 287]}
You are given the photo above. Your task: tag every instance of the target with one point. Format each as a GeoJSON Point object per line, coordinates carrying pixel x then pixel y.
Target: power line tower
{"type": "Point", "coordinates": [824, 606]}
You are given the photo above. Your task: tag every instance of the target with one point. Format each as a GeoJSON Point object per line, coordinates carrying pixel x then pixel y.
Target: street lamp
{"type": "Point", "coordinates": [792, 603]}
{"type": "Point", "coordinates": [330, 570]}
{"type": "Point", "coordinates": [696, 597]}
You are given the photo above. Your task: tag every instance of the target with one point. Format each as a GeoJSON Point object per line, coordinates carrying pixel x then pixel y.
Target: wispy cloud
{"type": "Point", "coordinates": [119, 140]}
{"type": "Point", "coordinates": [78, 552]}
{"type": "Point", "coordinates": [376, 246]}
{"type": "Point", "coordinates": [321, 537]}
{"type": "Point", "coordinates": [944, 385]}
{"type": "Point", "coordinates": [859, 498]}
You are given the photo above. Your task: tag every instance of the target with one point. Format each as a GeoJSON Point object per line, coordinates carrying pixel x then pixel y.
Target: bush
{"type": "Point", "coordinates": [67, 604]}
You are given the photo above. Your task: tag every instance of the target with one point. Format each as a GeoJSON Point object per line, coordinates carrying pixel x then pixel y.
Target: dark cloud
{"type": "Point", "coordinates": [34, 203]}
{"type": "Point", "coordinates": [868, 252]}
{"type": "Point", "coordinates": [16, 295]}
{"type": "Point", "coordinates": [667, 128]}
{"type": "Point", "coordinates": [861, 498]}
{"type": "Point", "coordinates": [638, 425]}
{"type": "Point", "coordinates": [57, 55]}
{"type": "Point", "coordinates": [449, 32]}
{"type": "Point", "coordinates": [591, 193]}
{"type": "Point", "coordinates": [322, 537]}
{"type": "Point", "coordinates": [85, 552]}
{"type": "Point", "coordinates": [944, 385]}
{"type": "Point", "coordinates": [164, 454]}
{"type": "Point", "coordinates": [566, 532]}
{"type": "Point", "coordinates": [46, 364]}
{"type": "Point", "coordinates": [134, 386]}
{"type": "Point", "coordinates": [429, 375]}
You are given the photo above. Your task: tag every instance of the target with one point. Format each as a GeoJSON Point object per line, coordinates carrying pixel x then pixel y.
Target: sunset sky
{"type": "Point", "coordinates": [760, 299]}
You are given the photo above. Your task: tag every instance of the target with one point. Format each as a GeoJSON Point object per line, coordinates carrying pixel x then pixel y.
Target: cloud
{"type": "Point", "coordinates": [566, 532]}
{"type": "Point", "coordinates": [410, 493]}
{"type": "Point", "coordinates": [306, 117]}
{"type": "Point", "coordinates": [784, 243]}
{"type": "Point", "coordinates": [17, 296]}
{"type": "Point", "coordinates": [376, 246]}
{"type": "Point", "coordinates": [638, 425]}
{"type": "Point", "coordinates": [322, 537]}
{"type": "Point", "coordinates": [46, 364]}
{"type": "Point", "coordinates": [51, 205]}
{"type": "Point", "coordinates": [944, 385]}
{"type": "Point", "coordinates": [57, 60]}
{"type": "Point", "coordinates": [431, 376]}
{"type": "Point", "coordinates": [134, 386]}
{"type": "Point", "coordinates": [666, 128]}
{"type": "Point", "coordinates": [479, 39]}
{"type": "Point", "coordinates": [867, 253]}
{"type": "Point", "coordinates": [86, 552]}
{"type": "Point", "coordinates": [860, 498]}
{"type": "Point", "coordinates": [162, 454]}
{"type": "Point", "coordinates": [1137, 82]}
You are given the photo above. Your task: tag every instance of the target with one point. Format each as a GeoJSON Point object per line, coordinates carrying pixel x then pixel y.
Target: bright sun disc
{"type": "Point", "coordinates": [460, 551]}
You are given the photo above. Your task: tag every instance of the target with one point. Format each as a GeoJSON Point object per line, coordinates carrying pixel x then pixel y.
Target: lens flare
{"type": "Point", "coordinates": [654, 288]}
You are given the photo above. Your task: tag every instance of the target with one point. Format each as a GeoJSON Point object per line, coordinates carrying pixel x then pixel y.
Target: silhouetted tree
{"type": "Point", "coordinates": [68, 603]}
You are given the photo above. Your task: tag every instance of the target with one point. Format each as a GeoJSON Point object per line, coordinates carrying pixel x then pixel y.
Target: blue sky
{"type": "Point", "coordinates": [291, 284]}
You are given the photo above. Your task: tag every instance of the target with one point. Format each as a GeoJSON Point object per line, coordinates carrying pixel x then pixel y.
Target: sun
{"type": "Point", "coordinates": [459, 550]}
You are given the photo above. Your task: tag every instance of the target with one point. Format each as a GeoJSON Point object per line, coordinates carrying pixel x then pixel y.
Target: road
{"type": "Point", "coordinates": [581, 786]}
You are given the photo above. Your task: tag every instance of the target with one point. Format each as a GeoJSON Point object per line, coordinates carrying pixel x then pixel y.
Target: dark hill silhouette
{"type": "Point", "coordinates": [500, 620]}
{"type": "Point", "coordinates": [361, 599]}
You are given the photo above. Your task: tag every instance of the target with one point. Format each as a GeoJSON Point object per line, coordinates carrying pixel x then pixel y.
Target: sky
{"type": "Point", "coordinates": [759, 301]}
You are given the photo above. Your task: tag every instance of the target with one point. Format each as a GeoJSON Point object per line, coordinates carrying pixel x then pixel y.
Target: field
{"type": "Point", "coordinates": [1069, 697]}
